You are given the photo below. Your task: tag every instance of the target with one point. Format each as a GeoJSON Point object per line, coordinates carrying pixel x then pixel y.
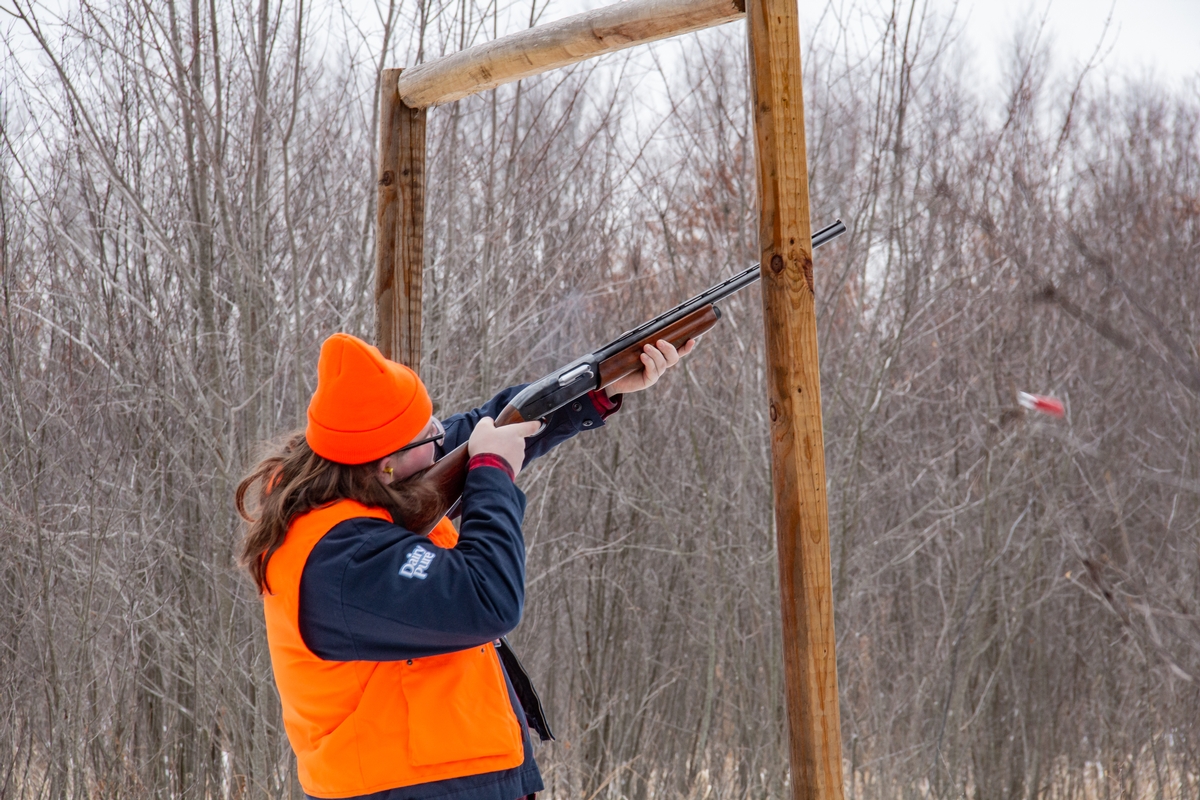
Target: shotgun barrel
{"type": "Point", "coordinates": [685, 321]}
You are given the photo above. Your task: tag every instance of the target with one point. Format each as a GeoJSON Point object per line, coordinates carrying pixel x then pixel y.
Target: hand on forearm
{"type": "Point", "coordinates": [656, 360]}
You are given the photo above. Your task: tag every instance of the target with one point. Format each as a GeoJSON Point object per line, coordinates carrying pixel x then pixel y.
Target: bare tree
{"type": "Point", "coordinates": [186, 211]}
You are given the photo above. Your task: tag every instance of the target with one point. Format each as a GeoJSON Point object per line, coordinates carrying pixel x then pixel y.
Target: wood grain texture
{"type": "Point", "coordinates": [629, 360]}
{"type": "Point", "coordinates": [400, 225]}
{"type": "Point", "coordinates": [794, 396]}
{"type": "Point", "coordinates": [557, 44]}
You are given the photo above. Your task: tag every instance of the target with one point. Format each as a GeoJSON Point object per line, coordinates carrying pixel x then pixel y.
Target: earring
{"type": "Point", "coordinates": [387, 470]}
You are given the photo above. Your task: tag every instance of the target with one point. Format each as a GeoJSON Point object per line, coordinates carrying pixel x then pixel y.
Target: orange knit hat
{"type": "Point", "coordinates": [365, 406]}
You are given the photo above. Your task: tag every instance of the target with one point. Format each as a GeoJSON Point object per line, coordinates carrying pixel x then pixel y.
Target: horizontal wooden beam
{"type": "Point", "coordinates": [558, 44]}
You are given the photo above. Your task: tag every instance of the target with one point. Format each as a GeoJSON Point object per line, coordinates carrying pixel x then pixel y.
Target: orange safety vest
{"type": "Point", "coordinates": [365, 726]}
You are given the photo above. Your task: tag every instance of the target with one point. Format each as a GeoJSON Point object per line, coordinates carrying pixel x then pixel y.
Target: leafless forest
{"type": "Point", "coordinates": [186, 211]}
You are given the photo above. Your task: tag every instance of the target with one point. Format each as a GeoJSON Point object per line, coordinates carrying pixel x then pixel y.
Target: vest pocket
{"type": "Point", "coordinates": [458, 708]}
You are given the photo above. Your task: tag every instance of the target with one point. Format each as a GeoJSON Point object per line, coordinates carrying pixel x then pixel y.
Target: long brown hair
{"type": "Point", "coordinates": [293, 481]}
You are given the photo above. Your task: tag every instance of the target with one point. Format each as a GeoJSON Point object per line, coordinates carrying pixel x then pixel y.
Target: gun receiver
{"type": "Point", "coordinates": [595, 370]}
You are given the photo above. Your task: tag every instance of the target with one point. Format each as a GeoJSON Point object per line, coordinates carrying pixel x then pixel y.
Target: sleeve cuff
{"type": "Point", "coordinates": [491, 460]}
{"type": "Point", "coordinates": [605, 405]}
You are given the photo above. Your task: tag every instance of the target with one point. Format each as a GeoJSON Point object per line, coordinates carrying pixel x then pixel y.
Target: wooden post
{"type": "Point", "coordinates": [400, 225]}
{"type": "Point", "coordinates": [794, 394]}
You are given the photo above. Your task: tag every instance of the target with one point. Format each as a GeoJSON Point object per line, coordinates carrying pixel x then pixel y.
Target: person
{"type": "Point", "coordinates": [387, 647]}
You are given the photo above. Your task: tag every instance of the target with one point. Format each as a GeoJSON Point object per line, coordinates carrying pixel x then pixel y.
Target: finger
{"type": "Point", "coordinates": [485, 422]}
{"type": "Point", "coordinates": [687, 348]}
{"type": "Point", "coordinates": [648, 374]}
{"type": "Point", "coordinates": [659, 359]}
{"type": "Point", "coordinates": [669, 352]}
{"type": "Point", "coordinates": [525, 429]}
{"type": "Point", "coordinates": [649, 371]}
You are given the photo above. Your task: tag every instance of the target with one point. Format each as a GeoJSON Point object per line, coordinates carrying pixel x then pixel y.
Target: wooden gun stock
{"type": "Point", "coordinates": [446, 478]}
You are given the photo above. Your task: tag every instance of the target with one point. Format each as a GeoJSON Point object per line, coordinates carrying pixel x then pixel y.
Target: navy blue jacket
{"type": "Point", "coordinates": [360, 602]}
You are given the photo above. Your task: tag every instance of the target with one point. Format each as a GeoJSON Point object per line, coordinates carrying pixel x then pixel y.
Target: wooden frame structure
{"type": "Point", "coordinates": [793, 378]}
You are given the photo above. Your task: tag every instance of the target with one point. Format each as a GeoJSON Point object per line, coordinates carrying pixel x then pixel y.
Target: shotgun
{"type": "Point", "coordinates": [593, 371]}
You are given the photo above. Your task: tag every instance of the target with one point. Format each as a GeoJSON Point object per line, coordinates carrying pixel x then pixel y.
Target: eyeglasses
{"type": "Point", "coordinates": [437, 437]}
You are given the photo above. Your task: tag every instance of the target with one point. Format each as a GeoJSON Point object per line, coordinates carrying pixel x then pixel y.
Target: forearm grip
{"type": "Point", "coordinates": [678, 333]}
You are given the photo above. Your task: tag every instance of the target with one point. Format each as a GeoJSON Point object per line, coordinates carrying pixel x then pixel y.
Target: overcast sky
{"type": "Point", "coordinates": [1161, 37]}
{"type": "Point", "coordinates": [1145, 38]}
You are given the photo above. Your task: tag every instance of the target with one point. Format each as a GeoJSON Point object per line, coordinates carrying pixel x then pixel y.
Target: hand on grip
{"type": "Point", "coordinates": [506, 441]}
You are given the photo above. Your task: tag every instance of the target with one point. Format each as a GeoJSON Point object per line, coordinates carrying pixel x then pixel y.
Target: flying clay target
{"type": "Point", "coordinates": [1041, 403]}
